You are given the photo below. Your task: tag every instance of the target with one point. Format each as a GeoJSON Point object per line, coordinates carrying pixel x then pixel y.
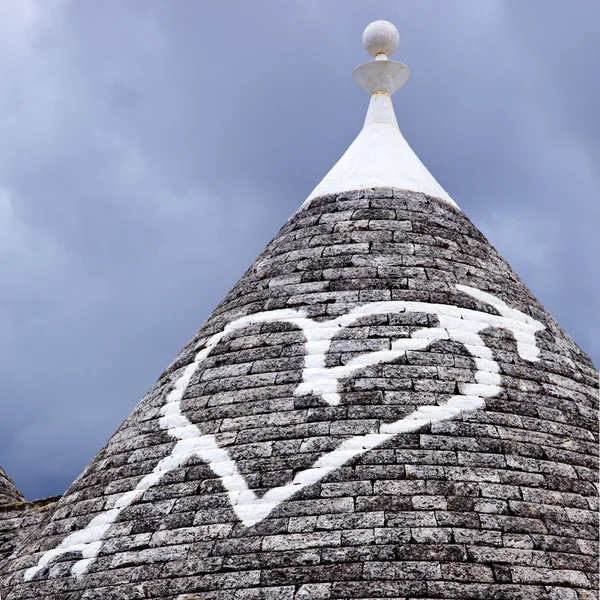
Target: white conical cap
{"type": "Point", "coordinates": [380, 156]}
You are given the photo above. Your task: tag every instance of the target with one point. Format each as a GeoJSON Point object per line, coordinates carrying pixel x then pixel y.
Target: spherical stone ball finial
{"type": "Point", "coordinates": [380, 37]}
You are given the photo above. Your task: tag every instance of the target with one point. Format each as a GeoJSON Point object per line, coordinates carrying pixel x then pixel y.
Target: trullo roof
{"type": "Point", "coordinates": [8, 491]}
{"type": "Point", "coordinates": [379, 408]}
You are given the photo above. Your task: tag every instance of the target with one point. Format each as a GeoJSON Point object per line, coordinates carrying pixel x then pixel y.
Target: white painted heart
{"type": "Point", "coordinates": [459, 324]}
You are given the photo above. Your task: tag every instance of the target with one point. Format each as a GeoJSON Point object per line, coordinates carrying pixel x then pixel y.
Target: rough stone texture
{"type": "Point", "coordinates": [18, 519]}
{"type": "Point", "coordinates": [8, 491]}
{"type": "Point", "coordinates": [499, 504]}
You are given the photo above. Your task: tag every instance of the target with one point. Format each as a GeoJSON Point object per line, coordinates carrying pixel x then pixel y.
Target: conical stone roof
{"type": "Point", "coordinates": [379, 408]}
{"type": "Point", "coordinates": [8, 490]}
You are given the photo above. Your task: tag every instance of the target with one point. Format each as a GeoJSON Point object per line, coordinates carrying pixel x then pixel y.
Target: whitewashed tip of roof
{"type": "Point", "coordinates": [380, 156]}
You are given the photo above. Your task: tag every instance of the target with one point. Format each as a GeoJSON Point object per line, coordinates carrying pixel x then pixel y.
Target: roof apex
{"type": "Point", "coordinates": [380, 156]}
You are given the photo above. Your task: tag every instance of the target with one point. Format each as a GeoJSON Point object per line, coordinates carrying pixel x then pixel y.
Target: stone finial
{"type": "Point", "coordinates": [380, 156]}
{"type": "Point", "coordinates": [380, 39]}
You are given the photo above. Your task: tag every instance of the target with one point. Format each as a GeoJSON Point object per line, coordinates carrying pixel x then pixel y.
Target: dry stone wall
{"type": "Point", "coordinates": [18, 520]}
{"type": "Point", "coordinates": [8, 491]}
{"type": "Point", "coordinates": [191, 497]}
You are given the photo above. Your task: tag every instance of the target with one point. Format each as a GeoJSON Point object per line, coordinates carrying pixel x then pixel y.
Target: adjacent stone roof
{"type": "Point", "coordinates": [493, 502]}
{"type": "Point", "coordinates": [8, 490]}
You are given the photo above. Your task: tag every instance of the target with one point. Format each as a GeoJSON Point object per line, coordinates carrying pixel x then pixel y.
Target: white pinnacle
{"type": "Point", "coordinates": [380, 156]}
{"type": "Point", "coordinates": [381, 37]}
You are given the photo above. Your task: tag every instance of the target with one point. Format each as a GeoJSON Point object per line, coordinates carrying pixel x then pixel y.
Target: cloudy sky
{"type": "Point", "coordinates": [149, 151]}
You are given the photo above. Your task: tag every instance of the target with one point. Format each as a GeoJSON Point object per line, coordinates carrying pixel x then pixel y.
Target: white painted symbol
{"type": "Point", "coordinates": [459, 324]}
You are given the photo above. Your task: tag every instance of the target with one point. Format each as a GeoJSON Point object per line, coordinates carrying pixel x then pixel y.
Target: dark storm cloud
{"type": "Point", "coordinates": [150, 150]}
